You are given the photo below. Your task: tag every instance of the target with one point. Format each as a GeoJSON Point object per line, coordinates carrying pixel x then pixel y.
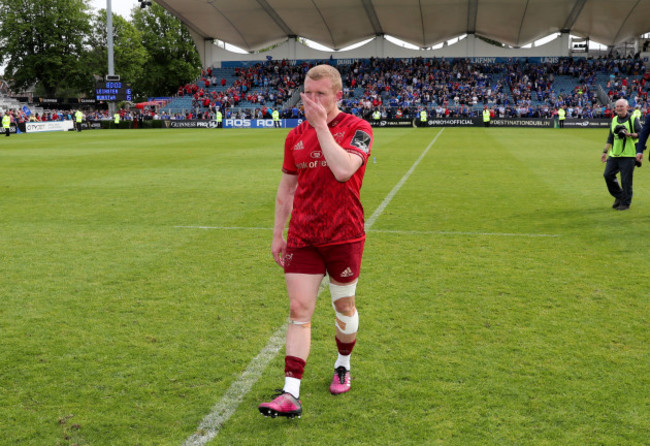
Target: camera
{"type": "Point", "coordinates": [620, 130]}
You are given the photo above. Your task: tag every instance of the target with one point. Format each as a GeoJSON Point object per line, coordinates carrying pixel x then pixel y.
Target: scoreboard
{"type": "Point", "coordinates": [113, 91]}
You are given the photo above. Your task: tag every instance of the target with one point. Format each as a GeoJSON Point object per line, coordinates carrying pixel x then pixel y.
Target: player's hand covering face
{"type": "Point", "coordinates": [320, 101]}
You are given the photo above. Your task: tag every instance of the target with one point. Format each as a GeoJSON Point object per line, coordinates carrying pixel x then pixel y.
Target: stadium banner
{"type": "Point", "coordinates": [50, 101]}
{"type": "Point", "coordinates": [60, 101]}
{"type": "Point", "coordinates": [91, 125]}
{"type": "Point", "coordinates": [587, 123]}
{"type": "Point", "coordinates": [451, 122]}
{"type": "Point", "coordinates": [189, 124]}
{"type": "Point", "coordinates": [494, 122]}
{"type": "Point", "coordinates": [259, 123]}
{"type": "Point", "coordinates": [521, 122]}
{"type": "Point", "coordinates": [51, 126]}
{"type": "Point", "coordinates": [391, 123]}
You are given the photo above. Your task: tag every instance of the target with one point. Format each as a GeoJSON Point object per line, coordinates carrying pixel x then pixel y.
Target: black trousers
{"type": "Point", "coordinates": [624, 165]}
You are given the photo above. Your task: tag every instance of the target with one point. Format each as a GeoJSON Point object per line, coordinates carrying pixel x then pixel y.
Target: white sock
{"type": "Point", "coordinates": [343, 360]}
{"type": "Point", "coordinates": [292, 386]}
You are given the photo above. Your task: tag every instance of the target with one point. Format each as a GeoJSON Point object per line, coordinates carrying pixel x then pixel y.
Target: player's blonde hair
{"type": "Point", "coordinates": [329, 72]}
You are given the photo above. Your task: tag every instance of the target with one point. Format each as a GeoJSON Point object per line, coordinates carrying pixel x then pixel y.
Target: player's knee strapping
{"type": "Point", "coordinates": [304, 324]}
{"type": "Point", "coordinates": [350, 323]}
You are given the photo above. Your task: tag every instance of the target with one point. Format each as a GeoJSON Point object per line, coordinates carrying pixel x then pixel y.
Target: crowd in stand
{"type": "Point", "coordinates": [401, 88]}
{"type": "Point", "coordinates": [459, 88]}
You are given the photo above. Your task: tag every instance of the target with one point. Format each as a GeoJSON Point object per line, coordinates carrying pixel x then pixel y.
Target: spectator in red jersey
{"type": "Point", "coordinates": [324, 163]}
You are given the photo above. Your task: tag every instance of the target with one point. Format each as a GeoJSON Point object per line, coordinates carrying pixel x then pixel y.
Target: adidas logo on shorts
{"type": "Point", "coordinates": [347, 272]}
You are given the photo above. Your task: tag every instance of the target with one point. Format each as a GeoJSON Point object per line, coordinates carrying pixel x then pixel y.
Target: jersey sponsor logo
{"type": "Point", "coordinates": [316, 155]}
{"type": "Point", "coordinates": [298, 146]}
{"type": "Point", "coordinates": [361, 141]}
{"type": "Point", "coordinates": [312, 164]}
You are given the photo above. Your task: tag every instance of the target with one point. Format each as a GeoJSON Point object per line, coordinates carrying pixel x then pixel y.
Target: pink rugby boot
{"type": "Point", "coordinates": [283, 405]}
{"type": "Point", "coordinates": [340, 381]}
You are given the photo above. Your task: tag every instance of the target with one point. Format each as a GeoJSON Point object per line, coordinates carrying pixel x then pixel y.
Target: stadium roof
{"type": "Point", "coordinates": [256, 24]}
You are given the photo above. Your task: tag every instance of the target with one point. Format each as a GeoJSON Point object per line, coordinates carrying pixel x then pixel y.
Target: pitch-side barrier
{"type": "Point", "coordinates": [31, 127]}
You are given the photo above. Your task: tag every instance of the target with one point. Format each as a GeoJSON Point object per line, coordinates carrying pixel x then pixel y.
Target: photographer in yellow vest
{"type": "Point", "coordinates": [621, 155]}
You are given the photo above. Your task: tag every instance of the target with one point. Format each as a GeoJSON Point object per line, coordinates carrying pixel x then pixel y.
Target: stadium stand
{"type": "Point", "coordinates": [445, 87]}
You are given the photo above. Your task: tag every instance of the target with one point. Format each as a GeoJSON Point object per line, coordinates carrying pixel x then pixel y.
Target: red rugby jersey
{"type": "Point", "coordinates": [325, 211]}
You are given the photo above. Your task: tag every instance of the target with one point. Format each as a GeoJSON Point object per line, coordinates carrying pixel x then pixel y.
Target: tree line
{"type": "Point", "coordinates": [59, 48]}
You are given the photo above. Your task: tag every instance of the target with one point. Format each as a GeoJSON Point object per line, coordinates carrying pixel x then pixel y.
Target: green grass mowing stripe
{"type": "Point", "coordinates": [223, 410]}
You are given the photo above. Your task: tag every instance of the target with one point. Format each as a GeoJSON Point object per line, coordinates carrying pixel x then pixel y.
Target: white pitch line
{"type": "Point", "coordinates": [223, 410]}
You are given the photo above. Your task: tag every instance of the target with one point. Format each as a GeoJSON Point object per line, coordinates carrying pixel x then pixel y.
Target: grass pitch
{"type": "Point", "coordinates": [502, 301]}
